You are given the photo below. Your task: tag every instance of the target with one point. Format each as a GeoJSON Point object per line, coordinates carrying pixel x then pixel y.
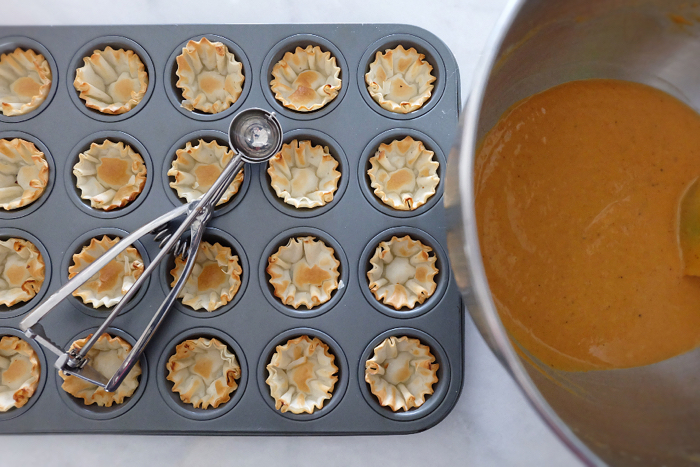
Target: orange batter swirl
{"type": "Point", "coordinates": [577, 199]}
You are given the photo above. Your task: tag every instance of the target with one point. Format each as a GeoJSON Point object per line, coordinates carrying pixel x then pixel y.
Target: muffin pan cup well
{"type": "Point", "coordinates": [165, 387]}
{"type": "Point", "coordinates": [174, 93]}
{"type": "Point", "coordinates": [387, 137]}
{"type": "Point", "coordinates": [21, 308]}
{"type": "Point", "coordinates": [9, 44]}
{"type": "Point", "coordinates": [317, 139]}
{"type": "Point", "coordinates": [439, 388]}
{"type": "Point", "coordinates": [254, 223]}
{"type": "Point", "coordinates": [212, 236]}
{"type": "Point", "coordinates": [76, 247]}
{"type": "Point", "coordinates": [422, 46]}
{"type": "Point", "coordinates": [193, 138]}
{"type": "Point", "coordinates": [282, 240]}
{"type": "Point", "coordinates": [290, 44]}
{"type": "Point", "coordinates": [94, 411]}
{"type": "Point", "coordinates": [83, 145]}
{"type": "Point", "coordinates": [340, 361]}
{"type": "Point", "coordinates": [101, 43]}
{"type": "Point", "coordinates": [9, 133]}
{"type": "Point", "coordinates": [43, 372]}
{"type": "Point", "coordinates": [441, 278]}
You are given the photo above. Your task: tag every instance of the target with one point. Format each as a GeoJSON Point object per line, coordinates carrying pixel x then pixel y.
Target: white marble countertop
{"type": "Point", "coordinates": [492, 423]}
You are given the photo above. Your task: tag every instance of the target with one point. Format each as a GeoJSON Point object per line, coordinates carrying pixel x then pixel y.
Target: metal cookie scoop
{"type": "Point", "coordinates": [255, 135]}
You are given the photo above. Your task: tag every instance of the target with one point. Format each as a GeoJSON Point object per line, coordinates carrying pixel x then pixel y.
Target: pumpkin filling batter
{"type": "Point", "coordinates": [578, 191]}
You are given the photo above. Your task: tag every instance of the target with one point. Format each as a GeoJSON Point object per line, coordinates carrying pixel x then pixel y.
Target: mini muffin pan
{"type": "Point", "coordinates": [254, 224]}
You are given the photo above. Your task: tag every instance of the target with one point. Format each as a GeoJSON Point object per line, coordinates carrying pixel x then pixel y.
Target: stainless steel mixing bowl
{"type": "Point", "coordinates": [642, 416]}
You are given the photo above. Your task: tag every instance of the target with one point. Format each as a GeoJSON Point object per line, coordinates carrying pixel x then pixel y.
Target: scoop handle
{"type": "Point", "coordinates": [133, 357]}
{"type": "Point", "coordinates": [266, 141]}
{"type": "Point", "coordinates": [196, 221]}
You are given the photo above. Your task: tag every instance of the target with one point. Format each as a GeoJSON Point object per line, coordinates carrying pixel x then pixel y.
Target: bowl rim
{"type": "Point", "coordinates": [479, 290]}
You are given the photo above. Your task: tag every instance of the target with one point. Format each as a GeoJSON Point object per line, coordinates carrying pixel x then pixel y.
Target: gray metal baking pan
{"type": "Point", "coordinates": [254, 223]}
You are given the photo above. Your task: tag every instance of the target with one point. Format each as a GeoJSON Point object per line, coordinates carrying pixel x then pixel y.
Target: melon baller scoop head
{"type": "Point", "coordinates": [255, 135]}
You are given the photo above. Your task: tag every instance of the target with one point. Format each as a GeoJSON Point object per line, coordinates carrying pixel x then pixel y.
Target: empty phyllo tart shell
{"type": "Point", "coordinates": [24, 173]}
{"type": "Point", "coordinates": [19, 372]}
{"type": "Point", "coordinates": [404, 174]}
{"type": "Point", "coordinates": [302, 375]}
{"type": "Point", "coordinates": [204, 372]}
{"type": "Point", "coordinates": [25, 81]}
{"type": "Point", "coordinates": [214, 280]}
{"type": "Point", "coordinates": [303, 272]}
{"type": "Point", "coordinates": [402, 273]}
{"type": "Point", "coordinates": [111, 81]}
{"type": "Point", "coordinates": [209, 76]}
{"type": "Point", "coordinates": [106, 356]}
{"type": "Point", "coordinates": [110, 175]}
{"type": "Point", "coordinates": [107, 287]}
{"type": "Point", "coordinates": [22, 271]}
{"type": "Point", "coordinates": [400, 80]}
{"type": "Point", "coordinates": [196, 168]}
{"type": "Point", "coordinates": [401, 373]}
{"type": "Point", "coordinates": [304, 175]}
{"type": "Point", "coordinates": [306, 80]}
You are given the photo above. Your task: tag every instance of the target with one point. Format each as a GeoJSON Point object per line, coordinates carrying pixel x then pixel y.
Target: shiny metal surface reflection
{"type": "Point", "coordinates": [642, 416]}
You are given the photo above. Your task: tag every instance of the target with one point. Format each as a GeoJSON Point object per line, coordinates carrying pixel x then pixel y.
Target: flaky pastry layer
{"type": "Point", "coordinates": [19, 372]}
{"type": "Point", "coordinates": [401, 373]}
{"type": "Point", "coordinates": [306, 80]}
{"type": "Point", "coordinates": [113, 281]}
{"type": "Point", "coordinates": [22, 271]}
{"type": "Point", "coordinates": [404, 174]}
{"type": "Point", "coordinates": [24, 173]}
{"type": "Point", "coordinates": [196, 168]}
{"type": "Point", "coordinates": [214, 280]}
{"type": "Point", "coordinates": [106, 356]}
{"type": "Point", "coordinates": [25, 81]}
{"type": "Point", "coordinates": [403, 272]}
{"type": "Point", "coordinates": [110, 175]}
{"type": "Point", "coordinates": [204, 372]}
{"type": "Point", "coordinates": [302, 375]}
{"type": "Point", "coordinates": [209, 76]}
{"type": "Point", "coordinates": [304, 175]}
{"type": "Point", "coordinates": [112, 81]}
{"type": "Point", "coordinates": [400, 80]}
{"type": "Point", "coordinates": [303, 272]}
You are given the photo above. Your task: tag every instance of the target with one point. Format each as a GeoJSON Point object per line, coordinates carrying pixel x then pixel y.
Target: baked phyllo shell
{"type": "Point", "coordinates": [106, 356]}
{"type": "Point", "coordinates": [209, 76]}
{"type": "Point", "coordinates": [24, 173]}
{"type": "Point", "coordinates": [404, 174]}
{"type": "Point", "coordinates": [112, 282]}
{"type": "Point", "coordinates": [25, 81]}
{"type": "Point", "coordinates": [403, 272]}
{"type": "Point", "coordinates": [19, 372]}
{"type": "Point", "coordinates": [303, 272]}
{"type": "Point", "coordinates": [22, 271]}
{"type": "Point", "coordinates": [196, 168]}
{"type": "Point", "coordinates": [111, 81]}
{"type": "Point", "coordinates": [401, 373]}
{"type": "Point", "coordinates": [110, 175]}
{"type": "Point", "coordinates": [204, 372]}
{"type": "Point", "coordinates": [306, 80]}
{"type": "Point", "coordinates": [304, 175]}
{"type": "Point", "coordinates": [302, 375]}
{"type": "Point", "coordinates": [214, 280]}
{"type": "Point", "coordinates": [400, 80]}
